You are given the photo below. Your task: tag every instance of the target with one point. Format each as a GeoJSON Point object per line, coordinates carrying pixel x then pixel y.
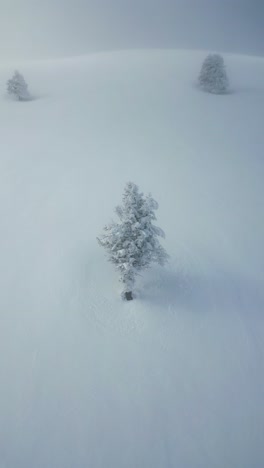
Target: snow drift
{"type": "Point", "coordinates": [174, 378]}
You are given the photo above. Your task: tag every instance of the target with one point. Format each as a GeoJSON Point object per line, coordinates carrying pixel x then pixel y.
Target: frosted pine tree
{"type": "Point", "coordinates": [132, 244]}
{"type": "Point", "coordinates": [18, 88]}
{"type": "Point", "coordinates": [213, 77]}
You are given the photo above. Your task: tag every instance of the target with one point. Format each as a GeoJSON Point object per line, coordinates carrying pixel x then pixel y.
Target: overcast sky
{"type": "Point", "coordinates": [50, 28]}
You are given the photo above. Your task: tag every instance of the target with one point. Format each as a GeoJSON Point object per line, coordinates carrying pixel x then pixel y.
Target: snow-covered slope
{"type": "Point", "coordinates": [175, 378]}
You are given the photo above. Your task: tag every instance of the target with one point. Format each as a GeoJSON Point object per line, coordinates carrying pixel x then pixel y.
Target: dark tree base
{"type": "Point", "coordinates": [128, 296]}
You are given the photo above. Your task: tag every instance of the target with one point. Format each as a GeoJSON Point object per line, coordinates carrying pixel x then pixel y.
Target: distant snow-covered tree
{"type": "Point", "coordinates": [213, 77]}
{"type": "Point", "coordinates": [17, 87]}
{"type": "Point", "coordinates": [132, 244]}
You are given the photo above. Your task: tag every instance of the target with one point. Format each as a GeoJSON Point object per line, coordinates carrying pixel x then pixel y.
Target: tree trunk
{"type": "Point", "coordinates": [128, 296]}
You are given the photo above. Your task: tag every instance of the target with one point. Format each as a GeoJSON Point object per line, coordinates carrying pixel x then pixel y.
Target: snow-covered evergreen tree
{"type": "Point", "coordinates": [213, 77]}
{"type": "Point", "coordinates": [132, 244]}
{"type": "Point", "coordinates": [17, 87]}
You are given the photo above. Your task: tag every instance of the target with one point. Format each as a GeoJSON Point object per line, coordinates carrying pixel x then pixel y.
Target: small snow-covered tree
{"type": "Point", "coordinates": [213, 77]}
{"type": "Point", "coordinates": [18, 88]}
{"type": "Point", "coordinates": [132, 244]}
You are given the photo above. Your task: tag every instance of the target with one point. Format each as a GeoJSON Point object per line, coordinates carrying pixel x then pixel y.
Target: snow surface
{"type": "Point", "coordinates": [176, 377]}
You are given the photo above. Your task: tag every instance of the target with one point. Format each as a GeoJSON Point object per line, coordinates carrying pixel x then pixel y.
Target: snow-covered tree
{"type": "Point", "coordinates": [18, 88]}
{"type": "Point", "coordinates": [132, 244]}
{"type": "Point", "coordinates": [213, 77]}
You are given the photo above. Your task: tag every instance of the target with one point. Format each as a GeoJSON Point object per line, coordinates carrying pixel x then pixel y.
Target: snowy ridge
{"type": "Point", "coordinates": [174, 378]}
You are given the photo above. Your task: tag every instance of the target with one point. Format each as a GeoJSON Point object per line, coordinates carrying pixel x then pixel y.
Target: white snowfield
{"type": "Point", "coordinates": [175, 378]}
